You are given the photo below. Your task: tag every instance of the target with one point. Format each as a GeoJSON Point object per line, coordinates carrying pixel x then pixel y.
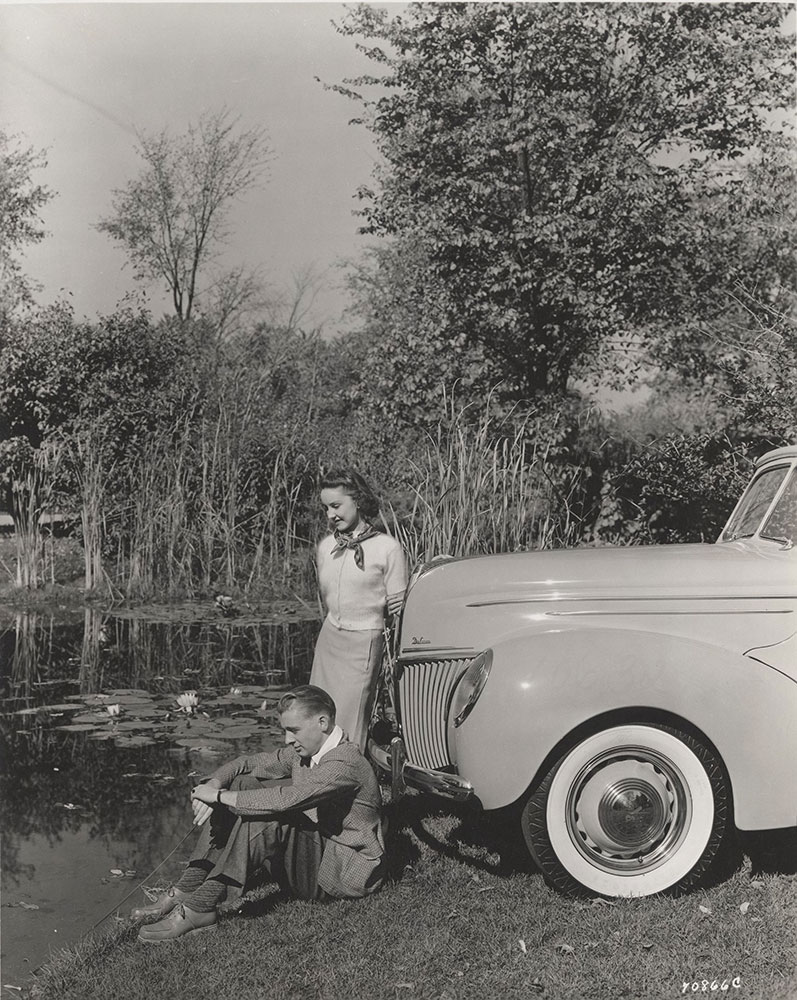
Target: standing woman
{"type": "Point", "coordinates": [362, 574]}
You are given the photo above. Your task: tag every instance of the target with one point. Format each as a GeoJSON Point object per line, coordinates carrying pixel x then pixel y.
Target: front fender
{"type": "Point", "coordinates": [544, 686]}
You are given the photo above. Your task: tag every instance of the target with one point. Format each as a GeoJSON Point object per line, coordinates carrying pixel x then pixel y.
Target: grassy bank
{"type": "Point", "coordinates": [462, 920]}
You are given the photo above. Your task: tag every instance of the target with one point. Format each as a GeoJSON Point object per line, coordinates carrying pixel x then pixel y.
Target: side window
{"type": "Point", "coordinates": [782, 522]}
{"type": "Point", "coordinates": [754, 505]}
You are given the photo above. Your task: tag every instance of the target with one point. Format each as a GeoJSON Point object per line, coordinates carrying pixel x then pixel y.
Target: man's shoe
{"type": "Point", "coordinates": [180, 922]}
{"type": "Point", "coordinates": [163, 905]}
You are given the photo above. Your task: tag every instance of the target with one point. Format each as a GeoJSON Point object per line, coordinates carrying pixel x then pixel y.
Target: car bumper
{"type": "Point", "coordinates": [392, 760]}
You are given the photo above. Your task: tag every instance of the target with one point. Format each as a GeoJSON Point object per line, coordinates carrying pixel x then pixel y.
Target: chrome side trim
{"type": "Point", "coordinates": [669, 614]}
{"type": "Point", "coordinates": [423, 779]}
{"type": "Point", "coordinates": [637, 599]}
{"type": "Point", "coordinates": [426, 654]}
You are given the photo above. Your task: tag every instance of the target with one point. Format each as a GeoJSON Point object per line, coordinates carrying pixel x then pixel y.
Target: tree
{"type": "Point", "coordinates": [551, 173]}
{"type": "Point", "coordinates": [21, 200]}
{"type": "Point", "coordinates": [173, 218]}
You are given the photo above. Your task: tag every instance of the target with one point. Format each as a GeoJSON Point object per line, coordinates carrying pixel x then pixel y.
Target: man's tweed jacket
{"type": "Point", "coordinates": [343, 789]}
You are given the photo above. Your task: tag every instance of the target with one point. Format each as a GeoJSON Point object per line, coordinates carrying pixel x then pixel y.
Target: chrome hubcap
{"type": "Point", "coordinates": [628, 810]}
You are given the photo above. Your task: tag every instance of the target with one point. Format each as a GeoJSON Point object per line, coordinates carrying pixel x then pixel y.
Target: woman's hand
{"type": "Point", "coordinates": [394, 602]}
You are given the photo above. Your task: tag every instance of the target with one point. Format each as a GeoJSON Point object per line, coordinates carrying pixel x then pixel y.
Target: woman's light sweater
{"type": "Point", "coordinates": [355, 598]}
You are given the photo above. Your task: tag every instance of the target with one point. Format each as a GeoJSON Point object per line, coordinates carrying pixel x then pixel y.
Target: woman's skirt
{"type": "Point", "coordinates": [346, 665]}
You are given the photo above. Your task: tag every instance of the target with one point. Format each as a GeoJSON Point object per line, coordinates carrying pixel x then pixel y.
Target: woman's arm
{"type": "Point", "coordinates": [395, 577]}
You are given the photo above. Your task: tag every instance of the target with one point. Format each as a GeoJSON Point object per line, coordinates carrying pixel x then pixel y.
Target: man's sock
{"type": "Point", "coordinates": [192, 878]}
{"type": "Point", "coordinates": [207, 897]}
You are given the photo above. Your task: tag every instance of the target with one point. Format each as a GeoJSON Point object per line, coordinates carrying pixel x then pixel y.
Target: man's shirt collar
{"type": "Point", "coordinates": [329, 744]}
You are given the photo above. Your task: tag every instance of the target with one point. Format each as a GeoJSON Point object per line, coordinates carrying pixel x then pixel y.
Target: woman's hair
{"type": "Point", "coordinates": [310, 699]}
{"type": "Point", "coordinates": [356, 486]}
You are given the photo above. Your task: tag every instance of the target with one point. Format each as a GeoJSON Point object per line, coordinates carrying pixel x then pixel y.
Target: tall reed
{"type": "Point", "coordinates": [93, 470]}
{"type": "Point", "coordinates": [33, 475]}
{"type": "Point", "coordinates": [484, 484]}
{"type": "Point", "coordinates": [201, 518]}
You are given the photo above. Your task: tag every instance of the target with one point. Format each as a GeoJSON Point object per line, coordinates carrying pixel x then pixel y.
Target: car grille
{"type": "Point", "coordinates": [425, 690]}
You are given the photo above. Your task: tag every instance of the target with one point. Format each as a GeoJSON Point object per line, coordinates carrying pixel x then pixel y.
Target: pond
{"type": "Point", "coordinates": [106, 722]}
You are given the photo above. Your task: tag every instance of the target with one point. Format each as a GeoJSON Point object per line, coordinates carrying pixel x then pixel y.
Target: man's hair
{"type": "Point", "coordinates": [310, 699]}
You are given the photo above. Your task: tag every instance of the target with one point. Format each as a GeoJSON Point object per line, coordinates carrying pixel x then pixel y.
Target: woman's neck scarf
{"type": "Point", "coordinates": [346, 540]}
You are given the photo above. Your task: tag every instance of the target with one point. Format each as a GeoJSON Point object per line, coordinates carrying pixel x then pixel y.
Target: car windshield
{"type": "Point", "coordinates": [755, 504]}
{"type": "Point", "coordinates": [782, 522]}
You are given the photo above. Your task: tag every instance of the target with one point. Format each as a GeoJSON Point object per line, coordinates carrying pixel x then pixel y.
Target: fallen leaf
{"type": "Point", "coordinates": [647, 945]}
{"type": "Point", "coordinates": [565, 949]}
{"type": "Point", "coordinates": [744, 907]}
{"type": "Point", "coordinates": [757, 884]}
{"type": "Point", "coordinates": [523, 948]}
{"type": "Point", "coordinates": [116, 871]}
{"type": "Point", "coordinates": [600, 901]}
{"type": "Point", "coordinates": [536, 985]}
{"type": "Point", "coordinates": [27, 906]}
{"type": "Point", "coordinates": [704, 909]}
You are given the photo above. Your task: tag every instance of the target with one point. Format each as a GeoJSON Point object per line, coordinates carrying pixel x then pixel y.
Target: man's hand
{"type": "Point", "coordinates": [202, 812]}
{"type": "Point", "coordinates": [203, 797]}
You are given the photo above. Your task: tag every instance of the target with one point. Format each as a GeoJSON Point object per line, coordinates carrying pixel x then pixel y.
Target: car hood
{"type": "Point", "coordinates": [720, 571]}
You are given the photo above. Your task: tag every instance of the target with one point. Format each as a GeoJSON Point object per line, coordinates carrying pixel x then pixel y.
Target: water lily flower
{"type": "Point", "coordinates": [113, 710]}
{"type": "Point", "coordinates": [236, 691]}
{"type": "Point", "coordinates": [188, 702]}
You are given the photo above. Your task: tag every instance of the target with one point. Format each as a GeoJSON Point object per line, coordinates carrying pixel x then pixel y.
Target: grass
{"type": "Point", "coordinates": [464, 916]}
{"type": "Point", "coordinates": [64, 581]}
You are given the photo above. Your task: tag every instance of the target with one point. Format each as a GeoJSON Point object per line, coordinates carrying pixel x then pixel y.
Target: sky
{"type": "Point", "coordinates": [79, 79]}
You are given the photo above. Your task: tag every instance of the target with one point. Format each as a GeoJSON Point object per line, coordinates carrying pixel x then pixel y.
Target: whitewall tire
{"type": "Point", "coordinates": [629, 811]}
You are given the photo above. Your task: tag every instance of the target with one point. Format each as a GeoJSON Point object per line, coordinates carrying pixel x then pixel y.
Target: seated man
{"type": "Point", "coordinates": [319, 834]}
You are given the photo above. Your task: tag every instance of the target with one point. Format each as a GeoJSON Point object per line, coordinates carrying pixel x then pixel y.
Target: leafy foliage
{"type": "Point", "coordinates": [21, 200]}
{"type": "Point", "coordinates": [171, 219]}
{"type": "Point", "coordinates": [681, 489]}
{"type": "Point", "coordinates": [57, 374]}
{"type": "Point", "coordinates": [553, 178]}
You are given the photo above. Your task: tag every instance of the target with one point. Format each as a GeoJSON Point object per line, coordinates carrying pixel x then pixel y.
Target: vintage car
{"type": "Point", "coordinates": [634, 706]}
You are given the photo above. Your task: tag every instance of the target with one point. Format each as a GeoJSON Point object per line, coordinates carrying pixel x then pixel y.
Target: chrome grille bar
{"type": "Point", "coordinates": [425, 690]}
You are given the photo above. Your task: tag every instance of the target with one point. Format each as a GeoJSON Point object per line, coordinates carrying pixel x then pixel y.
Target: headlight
{"type": "Point", "coordinates": [471, 685]}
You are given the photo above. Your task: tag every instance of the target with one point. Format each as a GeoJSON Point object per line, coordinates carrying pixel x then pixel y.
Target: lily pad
{"type": "Point", "coordinates": [134, 724]}
{"type": "Point", "coordinates": [144, 711]}
{"type": "Point", "coordinates": [77, 727]}
{"type": "Point", "coordinates": [197, 726]}
{"type": "Point", "coordinates": [133, 741]}
{"type": "Point", "coordinates": [238, 732]}
{"type": "Point", "coordinates": [66, 707]}
{"type": "Point", "coordinates": [203, 743]}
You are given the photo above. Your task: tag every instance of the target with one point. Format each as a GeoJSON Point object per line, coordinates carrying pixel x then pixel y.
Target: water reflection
{"type": "Point", "coordinates": [73, 801]}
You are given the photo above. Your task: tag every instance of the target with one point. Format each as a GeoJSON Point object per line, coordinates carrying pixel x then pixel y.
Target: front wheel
{"type": "Point", "coordinates": [630, 811]}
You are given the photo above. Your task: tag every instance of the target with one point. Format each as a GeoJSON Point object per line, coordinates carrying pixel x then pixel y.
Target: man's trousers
{"type": "Point", "coordinates": [235, 850]}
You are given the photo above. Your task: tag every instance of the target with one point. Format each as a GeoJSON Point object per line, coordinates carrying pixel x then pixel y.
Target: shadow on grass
{"type": "Point", "coordinates": [492, 842]}
{"type": "Point", "coordinates": [487, 842]}
{"type": "Point", "coordinates": [772, 852]}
